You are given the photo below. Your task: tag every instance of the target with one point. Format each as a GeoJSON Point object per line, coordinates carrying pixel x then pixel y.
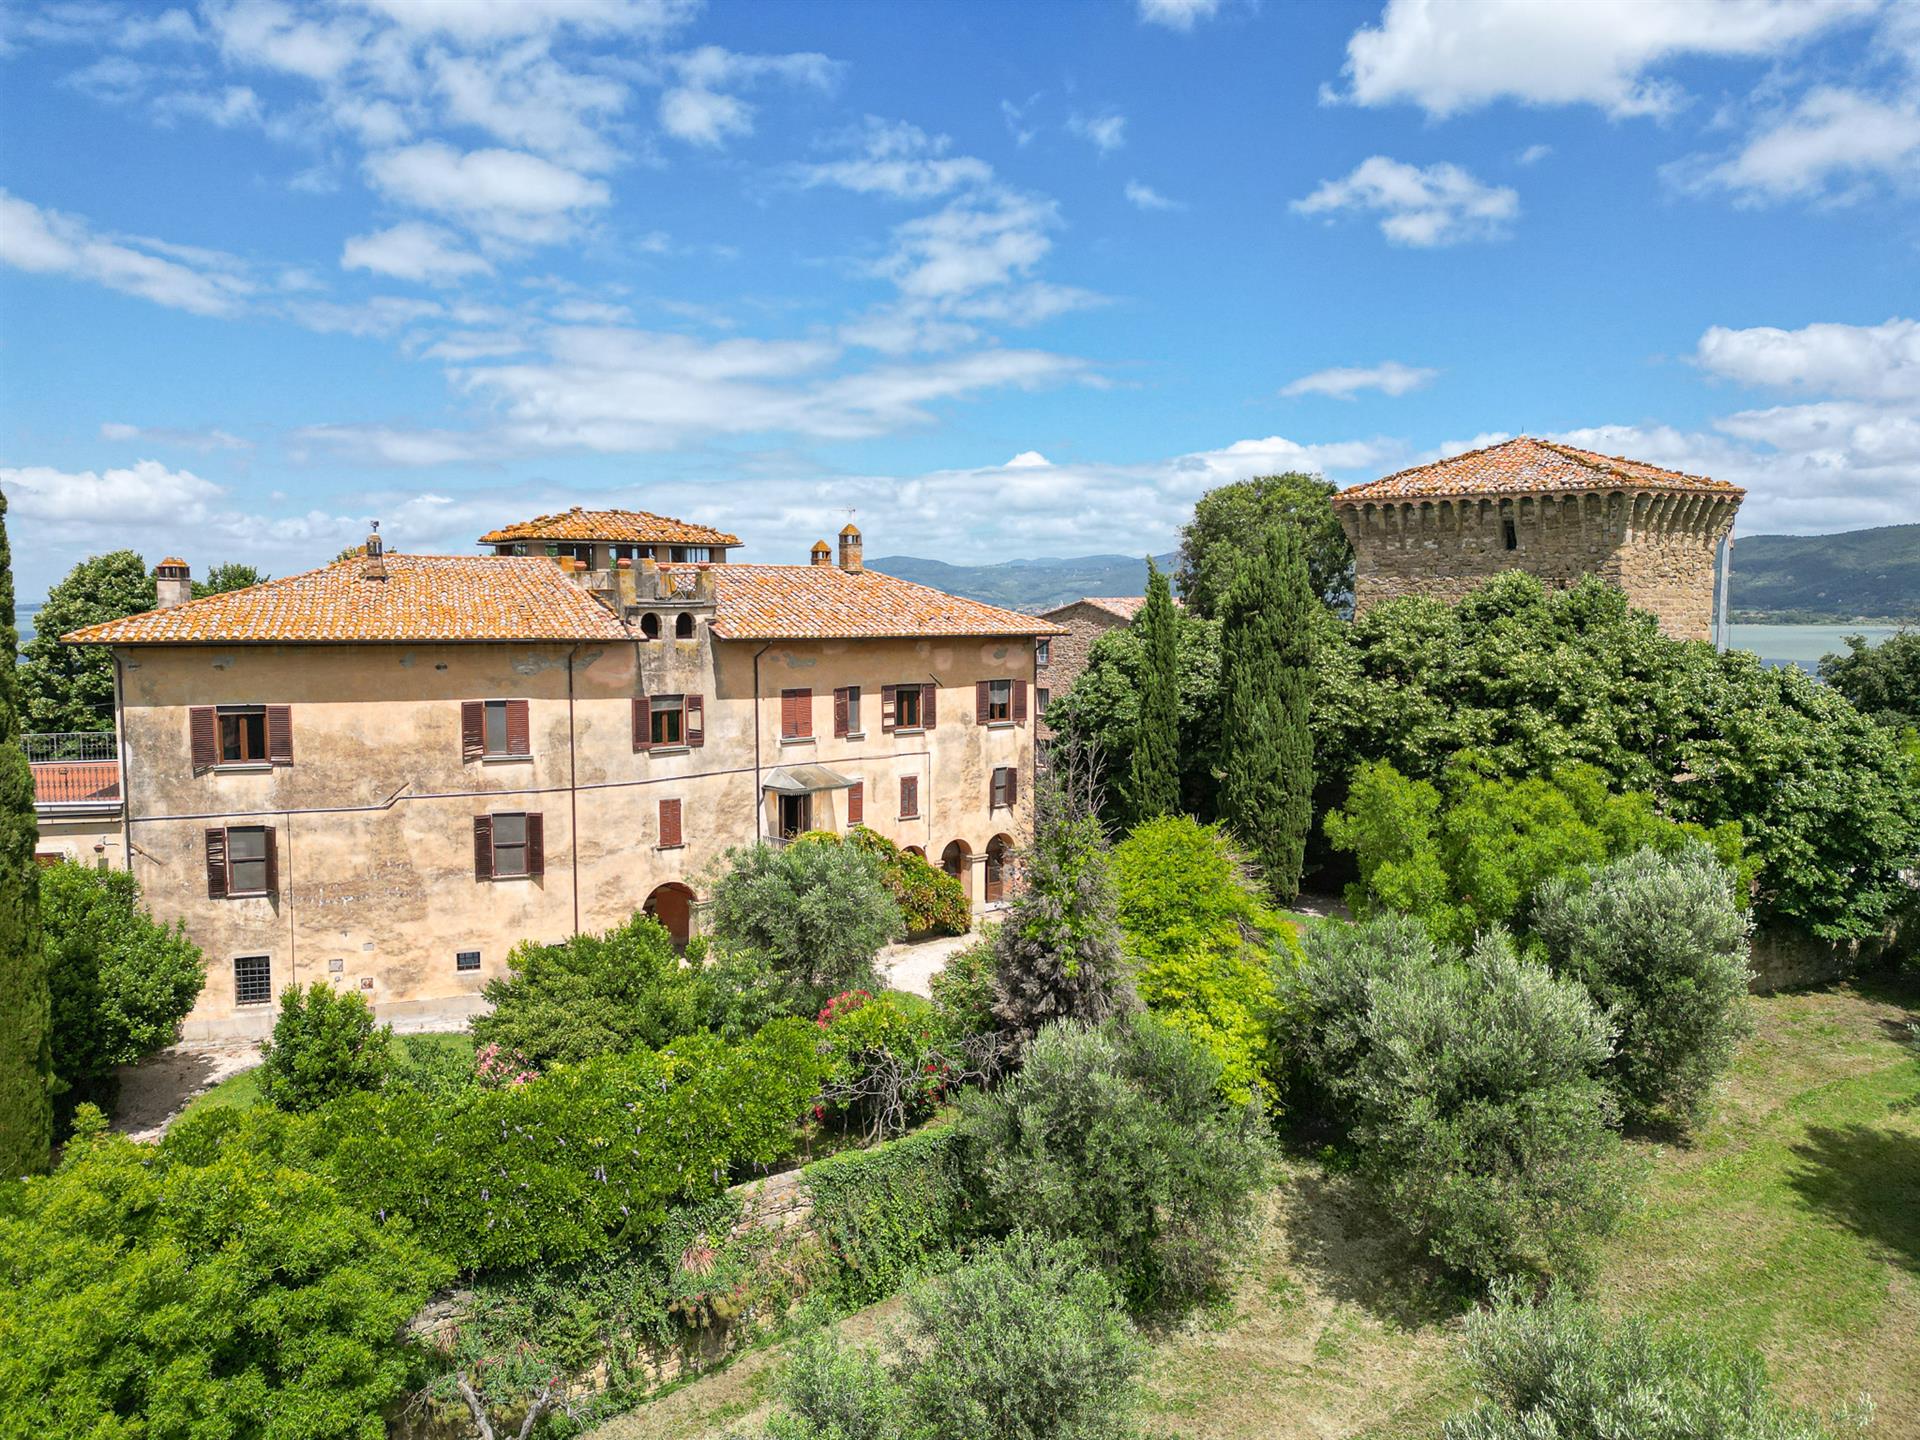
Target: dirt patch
{"type": "Point", "coordinates": [154, 1092]}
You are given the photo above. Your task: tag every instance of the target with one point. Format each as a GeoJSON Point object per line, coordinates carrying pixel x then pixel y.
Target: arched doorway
{"type": "Point", "coordinates": [672, 905]}
{"type": "Point", "coordinates": [999, 859]}
{"type": "Point", "coordinates": [917, 850]}
{"type": "Point", "coordinates": [957, 861]}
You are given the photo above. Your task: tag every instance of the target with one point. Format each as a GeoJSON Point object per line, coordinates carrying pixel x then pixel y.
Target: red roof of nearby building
{"type": "Point", "coordinates": [620, 527]}
{"type": "Point", "coordinates": [76, 782]}
{"type": "Point", "coordinates": [824, 602]}
{"type": "Point", "coordinates": [1526, 466]}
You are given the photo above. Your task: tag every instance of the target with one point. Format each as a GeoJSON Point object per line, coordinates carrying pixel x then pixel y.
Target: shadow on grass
{"type": "Point", "coordinates": [1354, 1252]}
{"type": "Point", "coordinates": [1869, 1180]}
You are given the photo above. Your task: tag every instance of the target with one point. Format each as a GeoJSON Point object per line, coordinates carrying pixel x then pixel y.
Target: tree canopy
{"type": "Point", "coordinates": [1153, 777]}
{"type": "Point", "coordinates": [1883, 680]}
{"type": "Point", "coordinates": [231, 576]}
{"type": "Point", "coordinates": [1229, 520]}
{"type": "Point", "coordinates": [69, 687]}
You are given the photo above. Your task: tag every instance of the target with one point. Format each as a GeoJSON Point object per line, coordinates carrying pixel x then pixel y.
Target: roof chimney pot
{"type": "Point", "coordinates": [172, 583]}
{"type": "Point", "coordinates": [850, 549]}
{"type": "Point", "coordinates": [376, 566]}
{"type": "Point", "coordinates": [822, 553]}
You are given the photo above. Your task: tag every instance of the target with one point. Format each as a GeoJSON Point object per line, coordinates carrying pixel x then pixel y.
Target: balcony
{"type": "Point", "coordinates": [76, 772]}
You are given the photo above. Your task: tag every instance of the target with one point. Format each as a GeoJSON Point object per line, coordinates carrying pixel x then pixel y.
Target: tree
{"type": "Point", "coordinates": [1227, 529]}
{"type": "Point", "coordinates": [1153, 776]}
{"type": "Point", "coordinates": [26, 1030]}
{"type": "Point", "coordinates": [1266, 675]}
{"type": "Point", "coordinates": [1057, 953]}
{"type": "Point", "coordinates": [325, 1044]}
{"type": "Point", "coordinates": [817, 914]}
{"type": "Point", "coordinates": [121, 982]}
{"type": "Point", "coordinates": [70, 687]}
{"type": "Point", "coordinates": [231, 576]}
{"type": "Point", "coordinates": [1882, 680]}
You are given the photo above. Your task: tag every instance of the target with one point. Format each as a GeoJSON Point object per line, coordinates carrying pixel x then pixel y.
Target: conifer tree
{"type": "Point", "coordinates": [26, 1028]}
{"type": "Point", "coordinates": [1153, 778]}
{"type": "Point", "coordinates": [1266, 681]}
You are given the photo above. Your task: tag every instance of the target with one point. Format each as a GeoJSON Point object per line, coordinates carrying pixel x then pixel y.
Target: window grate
{"type": "Point", "coordinates": [467, 960]}
{"type": "Point", "coordinates": [252, 980]}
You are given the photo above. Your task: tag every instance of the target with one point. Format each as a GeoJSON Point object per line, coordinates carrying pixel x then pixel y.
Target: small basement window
{"type": "Point", "coordinates": [466, 960]}
{"type": "Point", "coordinates": [252, 980]}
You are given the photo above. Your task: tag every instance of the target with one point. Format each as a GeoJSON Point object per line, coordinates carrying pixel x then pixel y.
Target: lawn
{"type": "Point", "coordinates": [1792, 1224]}
{"type": "Point", "coordinates": [242, 1091]}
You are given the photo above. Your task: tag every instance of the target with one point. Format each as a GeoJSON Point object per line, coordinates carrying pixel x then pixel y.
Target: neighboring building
{"type": "Point", "coordinates": [389, 771]}
{"type": "Point", "coordinates": [76, 799]}
{"type": "Point", "coordinates": [1082, 622]}
{"type": "Point", "coordinates": [600, 539]}
{"type": "Point", "coordinates": [1556, 512]}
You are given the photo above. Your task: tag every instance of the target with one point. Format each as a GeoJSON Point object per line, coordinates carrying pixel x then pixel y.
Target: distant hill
{"type": "Point", "coordinates": [1030, 585]}
{"type": "Point", "coordinates": [1827, 579]}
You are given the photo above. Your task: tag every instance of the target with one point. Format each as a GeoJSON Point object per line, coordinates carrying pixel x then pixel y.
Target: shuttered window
{"type": "Point", "coordinates": [242, 861]}
{"type": "Point", "coordinates": [846, 711]}
{"type": "Point", "coordinates": [670, 824]}
{"type": "Point", "coordinates": [857, 803]}
{"type": "Point", "coordinates": [1005, 789]}
{"type": "Point", "coordinates": [907, 707]}
{"type": "Point", "coordinates": [666, 720]}
{"type": "Point", "coordinates": [509, 847]}
{"type": "Point", "coordinates": [495, 730]}
{"type": "Point", "coordinates": [796, 714]}
{"type": "Point", "coordinates": [240, 735]}
{"type": "Point", "coordinates": [909, 797]}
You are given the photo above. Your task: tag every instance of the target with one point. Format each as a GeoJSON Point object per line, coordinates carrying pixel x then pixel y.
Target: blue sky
{"type": "Point", "coordinates": [1005, 280]}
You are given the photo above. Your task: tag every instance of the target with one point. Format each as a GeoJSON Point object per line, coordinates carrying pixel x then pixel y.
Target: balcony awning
{"type": "Point", "coordinates": [805, 780]}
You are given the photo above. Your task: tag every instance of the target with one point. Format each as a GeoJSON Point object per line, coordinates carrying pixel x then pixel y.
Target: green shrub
{"type": "Point", "coordinates": [121, 982]}
{"type": "Point", "coordinates": [963, 989]}
{"type": "Point", "coordinates": [887, 1212]}
{"type": "Point", "coordinates": [1470, 853]}
{"type": "Point", "coordinates": [325, 1044]}
{"type": "Point", "coordinates": [432, 1066]}
{"type": "Point", "coordinates": [1207, 950]}
{"type": "Point", "coordinates": [180, 1290]}
{"type": "Point", "coordinates": [1559, 1369]}
{"type": "Point", "coordinates": [930, 900]}
{"type": "Point", "coordinates": [1661, 946]}
{"type": "Point", "coordinates": [1120, 1137]}
{"type": "Point", "coordinates": [1478, 1113]}
{"type": "Point", "coordinates": [889, 1059]}
{"type": "Point", "coordinates": [594, 995]}
{"type": "Point", "coordinates": [817, 914]}
{"type": "Point", "coordinates": [1023, 1343]}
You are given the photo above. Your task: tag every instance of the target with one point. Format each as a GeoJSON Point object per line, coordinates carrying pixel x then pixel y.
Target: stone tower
{"type": "Point", "coordinates": [1554, 511]}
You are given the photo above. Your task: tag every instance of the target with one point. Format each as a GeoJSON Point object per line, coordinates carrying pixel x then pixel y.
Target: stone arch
{"type": "Point", "coordinates": [957, 861]}
{"type": "Point", "coordinates": [919, 850]}
{"type": "Point", "coordinates": [999, 868]}
{"type": "Point", "coordinates": [683, 627]}
{"type": "Point", "coordinates": [672, 905]}
{"type": "Point", "coordinates": [649, 626]}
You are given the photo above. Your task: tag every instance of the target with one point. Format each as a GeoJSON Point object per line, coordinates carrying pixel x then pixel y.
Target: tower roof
{"type": "Point", "coordinates": [619, 526]}
{"type": "Point", "coordinates": [1526, 466]}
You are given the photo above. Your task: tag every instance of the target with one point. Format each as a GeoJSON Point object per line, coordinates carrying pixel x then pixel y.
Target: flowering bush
{"type": "Point", "coordinates": [495, 1068]}
{"type": "Point", "coordinates": [845, 1003]}
{"type": "Point", "coordinates": [889, 1059]}
{"type": "Point", "coordinates": [931, 901]}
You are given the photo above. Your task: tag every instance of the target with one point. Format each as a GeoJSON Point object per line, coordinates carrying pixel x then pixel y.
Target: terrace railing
{"type": "Point", "coordinates": [70, 745]}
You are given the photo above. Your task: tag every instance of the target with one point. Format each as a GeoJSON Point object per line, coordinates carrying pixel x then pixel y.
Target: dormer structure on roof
{"type": "Point", "coordinates": [1556, 511]}
{"type": "Point", "coordinates": [599, 539]}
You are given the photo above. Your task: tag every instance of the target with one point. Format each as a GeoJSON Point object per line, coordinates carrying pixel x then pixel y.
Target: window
{"type": "Point", "coordinates": [909, 797]}
{"type": "Point", "coordinates": [509, 847]}
{"type": "Point", "coordinates": [668, 720]}
{"type": "Point", "coordinates": [796, 714]}
{"type": "Point", "coordinates": [846, 711]}
{"type": "Point", "coordinates": [494, 730]}
{"type": "Point", "coordinates": [857, 803]}
{"type": "Point", "coordinates": [796, 815]}
{"type": "Point", "coordinates": [1509, 534]}
{"type": "Point", "coordinates": [1043, 652]}
{"type": "Point", "coordinates": [466, 961]}
{"type": "Point", "coordinates": [243, 734]}
{"type": "Point", "coordinates": [691, 554]}
{"type": "Point", "coordinates": [649, 626]}
{"type": "Point", "coordinates": [906, 708]}
{"type": "Point", "coordinates": [241, 861]}
{"type": "Point", "coordinates": [1041, 695]}
{"type": "Point", "coordinates": [683, 627]}
{"type": "Point", "coordinates": [999, 700]}
{"type": "Point", "coordinates": [670, 837]}
{"type": "Point", "coordinates": [1005, 787]}
{"type": "Point", "coordinates": [252, 980]}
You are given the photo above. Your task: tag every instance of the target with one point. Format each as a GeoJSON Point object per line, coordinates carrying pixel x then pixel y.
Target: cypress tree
{"type": "Point", "coordinates": [1266, 681]}
{"type": "Point", "coordinates": [26, 1020]}
{"type": "Point", "coordinates": [1153, 778]}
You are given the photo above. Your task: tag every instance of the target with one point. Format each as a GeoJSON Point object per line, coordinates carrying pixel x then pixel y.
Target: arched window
{"type": "Point", "coordinates": [999, 849]}
{"type": "Point", "coordinates": [957, 860]}
{"type": "Point", "coordinates": [672, 905]}
{"type": "Point", "coordinates": [683, 627]}
{"type": "Point", "coordinates": [649, 626]}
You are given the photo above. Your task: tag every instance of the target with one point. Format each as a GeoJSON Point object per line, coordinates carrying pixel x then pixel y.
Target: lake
{"type": "Point", "coordinates": [1801, 645]}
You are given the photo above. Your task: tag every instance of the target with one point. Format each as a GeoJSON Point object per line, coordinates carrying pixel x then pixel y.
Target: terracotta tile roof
{"type": "Point", "coordinates": [76, 782]}
{"type": "Point", "coordinates": [424, 598]}
{"type": "Point", "coordinates": [1123, 606]}
{"type": "Point", "coordinates": [824, 602]}
{"type": "Point", "coordinates": [623, 527]}
{"type": "Point", "coordinates": [1525, 466]}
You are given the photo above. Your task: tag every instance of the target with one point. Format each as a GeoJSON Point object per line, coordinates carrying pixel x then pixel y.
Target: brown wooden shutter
{"type": "Point", "coordinates": [273, 859]}
{"type": "Point", "coordinates": [669, 822]}
{"type": "Point", "coordinates": [473, 729]}
{"type": "Point", "coordinates": [519, 731]}
{"type": "Point", "coordinates": [840, 707]}
{"type": "Point", "coordinates": [695, 727]}
{"type": "Point", "coordinates": [796, 714]}
{"type": "Point", "coordinates": [203, 737]}
{"type": "Point", "coordinates": [927, 717]}
{"type": "Point", "coordinates": [216, 864]}
{"type": "Point", "coordinates": [1020, 701]}
{"type": "Point", "coordinates": [1013, 785]}
{"type": "Point", "coordinates": [982, 701]}
{"type": "Point", "coordinates": [483, 847]}
{"type": "Point", "coordinates": [642, 723]}
{"type": "Point", "coordinates": [857, 803]}
{"type": "Point", "coordinates": [280, 734]}
{"type": "Point", "coordinates": [887, 693]}
{"type": "Point", "coordinates": [909, 796]}
{"type": "Point", "coordinates": [536, 844]}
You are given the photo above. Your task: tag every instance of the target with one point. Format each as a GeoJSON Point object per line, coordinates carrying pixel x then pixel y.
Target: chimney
{"type": "Point", "coordinates": [821, 554]}
{"type": "Point", "coordinates": [172, 583]}
{"type": "Point", "coordinates": [850, 548]}
{"type": "Point", "coordinates": [376, 565]}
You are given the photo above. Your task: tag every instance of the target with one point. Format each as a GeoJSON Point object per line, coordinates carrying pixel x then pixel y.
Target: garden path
{"type": "Point", "coordinates": [911, 965]}
{"type": "Point", "coordinates": [154, 1092]}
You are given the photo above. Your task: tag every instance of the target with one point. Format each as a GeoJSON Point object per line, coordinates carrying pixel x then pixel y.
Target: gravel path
{"type": "Point", "coordinates": [154, 1092]}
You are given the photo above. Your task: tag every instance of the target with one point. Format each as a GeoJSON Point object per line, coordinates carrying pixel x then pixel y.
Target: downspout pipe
{"type": "Point", "coordinates": [759, 796]}
{"type": "Point", "coordinates": [125, 753]}
{"type": "Point", "coordinates": [573, 794]}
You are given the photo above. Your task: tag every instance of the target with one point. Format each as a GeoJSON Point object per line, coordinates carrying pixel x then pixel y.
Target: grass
{"type": "Point", "coordinates": [1791, 1223]}
{"type": "Point", "coordinates": [242, 1091]}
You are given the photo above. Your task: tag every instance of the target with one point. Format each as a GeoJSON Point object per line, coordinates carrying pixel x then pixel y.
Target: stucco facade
{"type": "Point", "coordinates": [372, 819]}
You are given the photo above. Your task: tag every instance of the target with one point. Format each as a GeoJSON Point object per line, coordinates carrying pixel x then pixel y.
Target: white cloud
{"type": "Point", "coordinates": [1389, 377]}
{"type": "Point", "coordinates": [704, 117]}
{"type": "Point", "coordinates": [204, 441]}
{"type": "Point", "coordinates": [50, 243]}
{"type": "Point", "coordinates": [1828, 146]}
{"type": "Point", "coordinates": [1533, 155]}
{"type": "Point", "coordinates": [227, 108]}
{"type": "Point", "coordinates": [1865, 362]}
{"type": "Point", "coordinates": [1177, 14]}
{"type": "Point", "coordinates": [1440, 205]}
{"type": "Point", "coordinates": [1016, 118]}
{"type": "Point", "coordinates": [274, 35]}
{"type": "Point", "coordinates": [1106, 133]}
{"type": "Point", "coordinates": [1448, 57]}
{"type": "Point", "coordinates": [898, 159]}
{"type": "Point", "coordinates": [523, 98]}
{"type": "Point", "coordinates": [700, 110]}
{"type": "Point", "coordinates": [1144, 197]}
{"type": "Point", "coordinates": [145, 492]}
{"type": "Point", "coordinates": [412, 251]}
{"type": "Point", "coordinates": [974, 243]}
{"type": "Point", "coordinates": [380, 316]}
{"type": "Point", "coordinates": [483, 21]}
{"type": "Point", "coordinates": [503, 194]}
